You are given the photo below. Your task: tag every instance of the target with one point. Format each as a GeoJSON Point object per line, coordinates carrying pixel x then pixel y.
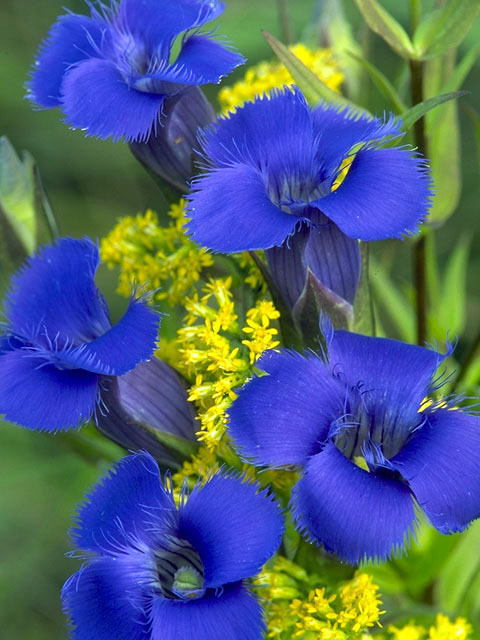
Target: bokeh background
{"type": "Point", "coordinates": [90, 184]}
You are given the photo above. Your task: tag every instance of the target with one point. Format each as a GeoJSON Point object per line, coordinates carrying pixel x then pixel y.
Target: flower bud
{"type": "Point", "coordinates": [147, 409]}
{"type": "Point", "coordinates": [168, 152]}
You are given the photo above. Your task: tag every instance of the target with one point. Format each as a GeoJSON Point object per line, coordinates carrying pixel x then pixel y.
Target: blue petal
{"type": "Point", "coordinates": [125, 509]}
{"type": "Point", "coordinates": [37, 395]}
{"type": "Point", "coordinates": [393, 377]}
{"type": "Point", "coordinates": [130, 341]}
{"type": "Point", "coordinates": [356, 514]}
{"type": "Point", "coordinates": [283, 418]}
{"type": "Point", "coordinates": [72, 38]}
{"type": "Point", "coordinates": [107, 600]}
{"type": "Point", "coordinates": [97, 99]}
{"type": "Point", "coordinates": [232, 614]}
{"type": "Point", "coordinates": [55, 294]}
{"type": "Point", "coordinates": [207, 59]}
{"type": "Point", "coordinates": [233, 526]}
{"type": "Point", "coordinates": [156, 26]}
{"type": "Point", "coordinates": [385, 194]}
{"type": "Point", "coordinates": [230, 211]}
{"type": "Point", "coordinates": [337, 131]}
{"type": "Point", "coordinates": [440, 463]}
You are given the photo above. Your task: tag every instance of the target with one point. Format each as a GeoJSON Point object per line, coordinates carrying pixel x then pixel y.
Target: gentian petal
{"type": "Point", "coordinates": [337, 131]}
{"type": "Point", "coordinates": [441, 464]}
{"type": "Point", "coordinates": [381, 366]}
{"type": "Point", "coordinates": [231, 211]}
{"type": "Point", "coordinates": [207, 59]}
{"type": "Point", "coordinates": [130, 341]}
{"type": "Point", "coordinates": [55, 293]}
{"type": "Point", "coordinates": [233, 613]}
{"type": "Point", "coordinates": [105, 600]}
{"type": "Point", "coordinates": [71, 39]}
{"type": "Point", "coordinates": [283, 418]}
{"type": "Point", "coordinates": [356, 514]}
{"type": "Point", "coordinates": [233, 526]}
{"type": "Point", "coordinates": [97, 99]}
{"type": "Point", "coordinates": [126, 507]}
{"type": "Point", "coordinates": [37, 395]}
{"type": "Point", "coordinates": [385, 194]}
{"type": "Point", "coordinates": [156, 26]}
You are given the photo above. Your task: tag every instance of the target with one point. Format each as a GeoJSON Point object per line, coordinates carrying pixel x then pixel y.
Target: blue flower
{"type": "Point", "coordinates": [272, 180]}
{"type": "Point", "coordinates": [111, 72]}
{"type": "Point", "coordinates": [58, 341]}
{"type": "Point", "coordinates": [156, 571]}
{"type": "Point", "coordinates": [362, 407]}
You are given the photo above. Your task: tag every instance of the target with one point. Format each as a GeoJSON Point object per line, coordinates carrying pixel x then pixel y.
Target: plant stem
{"type": "Point", "coordinates": [285, 22]}
{"type": "Point", "coordinates": [469, 359]}
{"type": "Point", "coordinates": [420, 270]}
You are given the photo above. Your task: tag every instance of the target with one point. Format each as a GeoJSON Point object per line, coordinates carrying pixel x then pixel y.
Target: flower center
{"type": "Point", "coordinates": [179, 570]}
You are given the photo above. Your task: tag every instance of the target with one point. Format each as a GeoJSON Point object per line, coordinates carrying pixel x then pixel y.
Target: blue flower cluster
{"type": "Point", "coordinates": [305, 185]}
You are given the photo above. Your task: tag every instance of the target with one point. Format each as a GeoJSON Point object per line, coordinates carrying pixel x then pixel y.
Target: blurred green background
{"type": "Point", "coordinates": [90, 184]}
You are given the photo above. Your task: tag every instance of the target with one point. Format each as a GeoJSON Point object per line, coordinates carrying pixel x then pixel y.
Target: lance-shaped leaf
{"type": "Point", "coordinates": [422, 108]}
{"type": "Point", "coordinates": [445, 28]}
{"type": "Point", "coordinates": [317, 300]}
{"type": "Point", "coordinates": [17, 194]}
{"type": "Point", "coordinates": [363, 312]}
{"type": "Point", "coordinates": [311, 86]}
{"type": "Point", "coordinates": [384, 25]}
{"type": "Point", "coordinates": [147, 409]}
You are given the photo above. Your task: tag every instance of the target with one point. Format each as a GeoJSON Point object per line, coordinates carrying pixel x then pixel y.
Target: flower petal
{"type": "Point", "coordinates": [283, 418]}
{"type": "Point", "coordinates": [119, 350]}
{"type": "Point", "coordinates": [356, 514]}
{"type": "Point", "coordinates": [338, 130]}
{"type": "Point", "coordinates": [106, 600]}
{"type": "Point", "coordinates": [230, 211]}
{"type": "Point", "coordinates": [207, 59]}
{"type": "Point", "coordinates": [71, 39]}
{"type": "Point", "coordinates": [233, 613]}
{"type": "Point", "coordinates": [394, 378]}
{"type": "Point", "coordinates": [156, 26]}
{"type": "Point", "coordinates": [97, 99]}
{"type": "Point", "coordinates": [126, 507]}
{"type": "Point", "coordinates": [441, 464]}
{"type": "Point", "coordinates": [55, 294]}
{"type": "Point", "coordinates": [385, 194]}
{"type": "Point", "coordinates": [37, 395]}
{"type": "Point", "coordinates": [234, 527]}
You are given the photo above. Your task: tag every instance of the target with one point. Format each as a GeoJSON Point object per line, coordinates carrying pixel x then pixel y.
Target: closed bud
{"type": "Point", "coordinates": [168, 152]}
{"type": "Point", "coordinates": [147, 409]}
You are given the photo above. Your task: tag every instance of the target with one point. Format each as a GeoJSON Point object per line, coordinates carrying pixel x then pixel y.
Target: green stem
{"type": "Point", "coordinates": [469, 360]}
{"type": "Point", "coordinates": [285, 22]}
{"type": "Point", "coordinates": [92, 450]}
{"type": "Point", "coordinates": [420, 253]}
{"type": "Point", "coordinates": [415, 15]}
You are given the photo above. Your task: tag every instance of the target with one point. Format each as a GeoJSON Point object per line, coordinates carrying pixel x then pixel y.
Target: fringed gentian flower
{"type": "Point", "coordinates": [368, 445]}
{"type": "Point", "coordinates": [276, 180]}
{"type": "Point", "coordinates": [111, 72]}
{"type": "Point", "coordinates": [58, 341]}
{"type": "Point", "coordinates": [155, 571]}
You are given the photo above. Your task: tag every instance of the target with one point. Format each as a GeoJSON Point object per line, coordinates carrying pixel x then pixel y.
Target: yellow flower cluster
{"type": "Point", "coordinates": [346, 614]}
{"type": "Point", "coordinates": [159, 258]}
{"type": "Point", "coordinates": [265, 76]}
{"type": "Point", "coordinates": [443, 629]}
{"type": "Point", "coordinates": [212, 353]}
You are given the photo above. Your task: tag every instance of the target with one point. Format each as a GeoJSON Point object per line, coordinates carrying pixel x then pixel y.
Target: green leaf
{"type": "Point", "coordinates": [419, 110]}
{"type": "Point", "coordinates": [393, 302]}
{"type": "Point", "coordinates": [382, 83]}
{"type": "Point", "coordinates": [311, 86]}
{"type": "Point", "coordinates": [445, 27]}
{"type": "Point", "coordinates": [17, 201]}
{"type": "Point", "coordinates": [459, 571]}
{"type": "Point", "coordinates": [363, 312]}
{"type": "Point", "coordinates": [449, 309]}
{"type": "Point", "coordinates": [380, 21]}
